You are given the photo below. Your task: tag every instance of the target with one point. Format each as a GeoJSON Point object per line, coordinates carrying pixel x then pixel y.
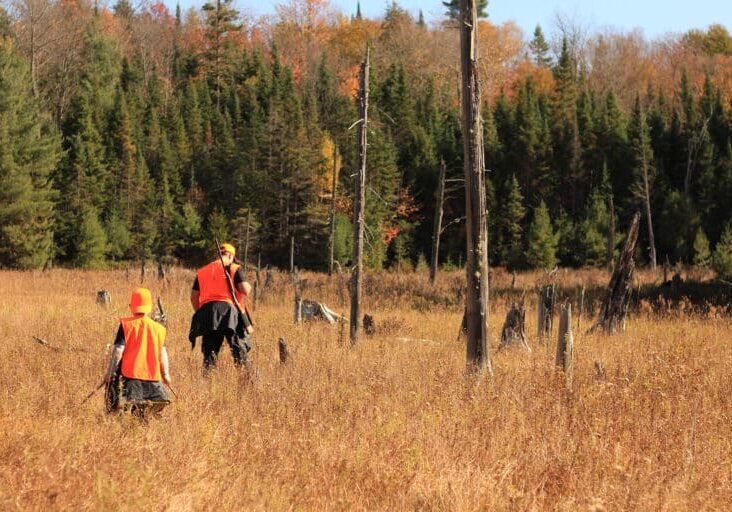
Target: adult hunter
{"type": "Point", "coordinates": [139, 361]}
{"type": "Point", "coordinates": [217, 297]}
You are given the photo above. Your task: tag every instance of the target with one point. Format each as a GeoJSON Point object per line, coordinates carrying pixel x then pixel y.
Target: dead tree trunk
{"type": "Point", "coordinates": [440, 197]}
{"type": "Point", "coordinates": [257, 282]}
{"type": "Point", "coordinates": [647, 201]}
{"type": "Point", "coordinates": [545, 320]}
{"type": "Point", "coordinates": [476, 302]}
{"type": "Point", "coordinates": [331, 238]}
{"type": "Point", "coordinates": [581, 307]}
{"type": "Point", "coordinates": [292, 254]}
{"type": "Point", "coordinates": [611, 236]}
{"type": "Point", "coordinates": [565, 344]}
{"type": "Point", "coordinates": [296, 281]}
{"type": "Point", "coordinates": [246, 238]}
{"type": "Point", "coordinates": [513, 332]}
{"type": "Point", "coordinates": [359, 203]}
{"type": "Point", "coordinates": [614, 308]}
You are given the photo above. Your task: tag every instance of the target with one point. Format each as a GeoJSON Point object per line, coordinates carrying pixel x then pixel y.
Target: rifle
{"type": "Point", "coordinates": [92, 393]}
{"type": "Point", "coordinates": [243, 313]}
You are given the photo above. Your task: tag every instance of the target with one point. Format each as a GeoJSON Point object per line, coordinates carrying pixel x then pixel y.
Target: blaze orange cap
{"type": "Point", "coordinates": [141, 301]}
{"type": "Point", "coordinates": [228, 248]}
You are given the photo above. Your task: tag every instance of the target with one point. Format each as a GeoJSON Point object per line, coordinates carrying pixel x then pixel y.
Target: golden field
{"type": "Point", "coordinates": [391, 424]}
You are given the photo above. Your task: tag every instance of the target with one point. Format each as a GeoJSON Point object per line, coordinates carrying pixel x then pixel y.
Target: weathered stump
{"type": "Point", "coordinates": [369, 326]}
{"type": "Point", "coordinates": [614, 309]}
{"type": "Point", "coordinates": [513, 333]}
{"type": "Point", "coordinates": [565, 344]}
{"type": "Point", "coordinates": [547, 297]}
{"type": "Point", "coordinates": [104, 298]}
{"type": "Point", "coordinates": [284, 351]}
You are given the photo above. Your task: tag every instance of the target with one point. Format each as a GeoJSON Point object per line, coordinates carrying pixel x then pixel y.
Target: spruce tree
{"type": "Point", "coordinates": [540, 49]}
{"type": "Point", "coordinates": [722, 259]}
{"type": "Point", "coordinates": [29, 150]}
{"type": "Point", "coordinates": [91, 243]}
{"type": "Point", "coordinates": [453, 8]}
{"type": "Point", "coordinates": [541, 242]}
{"type": "Point", "coordinates": [702, 253]}
{"type": "Point", "coordinates": [510, 218]}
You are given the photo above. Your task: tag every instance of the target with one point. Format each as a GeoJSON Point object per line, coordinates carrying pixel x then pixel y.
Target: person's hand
{"type": "Point", "coordinates": [250, 329]}
{"type": "Point", "coordinates": [167, 379]}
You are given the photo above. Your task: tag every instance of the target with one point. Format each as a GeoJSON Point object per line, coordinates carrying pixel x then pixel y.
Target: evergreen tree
{"type": "Point", "coordinates": [540, 49]}
{"type": "Point", "coordinates": [722, 259]}
{"type": "Point", "coordinates": [221, 26]}
{"type": "Point", "coordinates": [541, 242]}
{"type": "Point", "coordinates": [565, 134]}
{"type": "Point", "coordinates": [702, 254]}
{"type": "Point", "coordinates": [29, 150]}
{"type": "Point", "coordinates": [91, 242]}
{"type": "Point", "coordinates": [453, 9]}
{"type": "Point", "coordinates": [591, 241]}
{"type": "Point", "coordinates": [510, 219]}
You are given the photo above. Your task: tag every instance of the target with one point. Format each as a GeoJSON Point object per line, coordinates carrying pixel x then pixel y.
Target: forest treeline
{"type": "Point", "coordinates": [130, 132]}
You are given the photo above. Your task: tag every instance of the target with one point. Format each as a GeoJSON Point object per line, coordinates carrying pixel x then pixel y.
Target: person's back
{"type": "Point", "coordinates": [139, 361]}
{"type": "Point", "coordinates": [216, 315]}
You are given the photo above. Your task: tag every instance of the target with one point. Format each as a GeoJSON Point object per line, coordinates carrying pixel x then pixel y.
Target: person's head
{"type": "Point", "coordinates": [141, 301]}
{"type": "Point", "coordinates": [227, 252]}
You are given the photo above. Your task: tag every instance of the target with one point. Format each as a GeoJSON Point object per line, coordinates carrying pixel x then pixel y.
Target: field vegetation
{"type": "Point", "coordinates": [391, 424]}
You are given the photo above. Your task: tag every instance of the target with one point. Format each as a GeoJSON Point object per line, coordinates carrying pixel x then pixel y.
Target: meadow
{"type": "Point", "coordinates": [394, 423]}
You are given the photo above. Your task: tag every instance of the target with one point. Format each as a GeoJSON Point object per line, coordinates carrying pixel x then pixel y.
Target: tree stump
{"type": "Point", "coordinates": [565, 344]}
{"type": "Point", "coordinates": [513, 333]}
{"type": "Point", "coordinates": [104, 298]}
{"type": "Point", "coordinates": [547, 296]}
{"type": "Point", "coordinates": [284, 351]}
{"type": "Point", "coordinates": [369, 326]}
{"type": "Point", "coordinates": [614, 309]}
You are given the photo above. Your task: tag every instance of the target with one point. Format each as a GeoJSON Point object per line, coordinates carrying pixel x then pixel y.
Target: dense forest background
{"type": "Point", "coordinates": [131, 132]}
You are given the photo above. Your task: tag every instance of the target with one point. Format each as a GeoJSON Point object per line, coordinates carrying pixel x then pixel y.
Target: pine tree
{"type": "Point", "coordinates": [541, 242]}
{"type": "Point", "coordinates": [29, 150]}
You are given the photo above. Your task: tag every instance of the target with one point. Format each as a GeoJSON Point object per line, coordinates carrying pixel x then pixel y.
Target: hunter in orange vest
{"type": "Point", "coordinates": [139, 357]}
{"type": "Point", "coordinates": [216, 317]}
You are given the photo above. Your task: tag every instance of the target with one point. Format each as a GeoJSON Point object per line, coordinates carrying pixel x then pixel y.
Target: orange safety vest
{"type": "Point", "coordinates": [212, 285]}
{"type": "Point", "coordinates": [144, 339]}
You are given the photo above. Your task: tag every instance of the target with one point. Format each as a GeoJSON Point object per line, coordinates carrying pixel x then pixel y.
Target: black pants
{"type": "Point", "coordinates": [211, 344]}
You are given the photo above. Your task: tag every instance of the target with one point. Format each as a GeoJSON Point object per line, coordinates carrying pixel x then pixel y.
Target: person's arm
{"type": "Point", "coordinates": [195, 296]}
{"type": "Point", "coordinates": [165, 365]}
{"type": "Point", "coordinates": [116, 356]}
{"type": "Point", "coordinates": [244, 288]}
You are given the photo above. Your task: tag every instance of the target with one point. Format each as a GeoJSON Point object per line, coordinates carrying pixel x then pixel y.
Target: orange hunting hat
{"type": "Point", "coordinates": [141, 301]}
{"type": "Point", "coordinates": [228, 248]}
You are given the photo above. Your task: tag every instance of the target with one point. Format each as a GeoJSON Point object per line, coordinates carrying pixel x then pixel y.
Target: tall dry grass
{"type": "Point", "coordinates": [391, 424]}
